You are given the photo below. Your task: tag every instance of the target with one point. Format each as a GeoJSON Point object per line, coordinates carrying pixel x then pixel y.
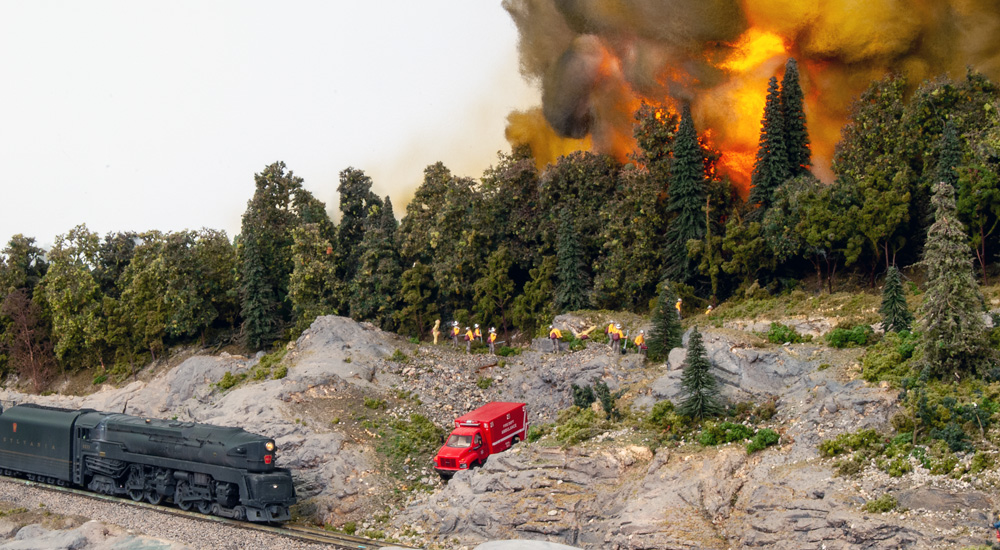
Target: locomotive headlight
{"type": "Point", "coordinates": [269, 446]}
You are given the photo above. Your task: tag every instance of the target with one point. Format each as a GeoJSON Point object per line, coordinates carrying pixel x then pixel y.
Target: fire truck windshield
{"type": "Point", "coordinates": [459, 441]}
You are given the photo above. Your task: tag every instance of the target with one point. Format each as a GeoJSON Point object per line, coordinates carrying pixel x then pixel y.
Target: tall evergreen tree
{"type": "Point", "coordinates": [495, 289]}
{"type": "Point", "coordinates": [571, 292]}
{"type": "Point", "coordinates": [896, 316]}
{"type": "Point", "coordinates": [686, 209]}
{"type": "Point", "coordinates": [952, 331]}
{"type": "Point", "coordinates": [375, 289]}
{"type": "Point", "coordinates": [950, 157]}
{"type": "Point", "coordinates": [698, 384]}
{"type": "Point", "coordinates": [667, 332]}
{"type": "Point", "coordinates": [534, 307]}
{"type": "Point", "coordinates": [770, 168]}
{"type": "Point", "coordinates": [313, 288]}
{"type": "Point", "coordinates": [417, 292]}
{"type": "Point", "coordinates": [796, 135]}
{"type": "Point", "coordinates": [356, 200]}
{"type": "Point", "coordinates": [259, 306]}
{"type": "Point", "coordinates": [265, 254]}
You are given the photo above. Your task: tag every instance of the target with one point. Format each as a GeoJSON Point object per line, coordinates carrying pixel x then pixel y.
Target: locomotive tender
{"type": "Point", "coordinates": [223, 471]}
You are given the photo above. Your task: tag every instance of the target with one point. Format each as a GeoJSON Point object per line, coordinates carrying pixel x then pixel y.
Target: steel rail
{"type": "Point", "coordinates": [308, 534]}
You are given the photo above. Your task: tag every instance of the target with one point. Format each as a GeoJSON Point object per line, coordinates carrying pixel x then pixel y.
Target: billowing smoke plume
{"type": "Point", "coordinates": [596, 60]}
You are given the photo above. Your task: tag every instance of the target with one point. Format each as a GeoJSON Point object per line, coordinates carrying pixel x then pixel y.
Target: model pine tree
{"type": "Point", "coordinates": [950, 157]}
{"type": "Point", "coordinates": [796, 134]}
{"type": "Point", "coordinates": [667, 331]}
{"type": "Point", "coordinates": [770, 168]}
{"type": "Point", "coordinates": [571, 292]}
{"type": "Point", "coordinates": [698, 385]}
{"type": "Point", "coordinates": [686, 209]}
{"type": "Point", "coordinates": [896, 317]}
{"type": "Point", "coordinates": [374, 292]}
{"type": "Point", "coordinates": [952, 330]}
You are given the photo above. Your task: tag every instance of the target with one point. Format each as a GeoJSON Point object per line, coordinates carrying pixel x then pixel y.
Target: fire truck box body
{"type": "Point", "coordinates": [492, 428]}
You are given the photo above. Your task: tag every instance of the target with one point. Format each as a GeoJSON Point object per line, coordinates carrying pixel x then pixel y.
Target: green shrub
{"type": "Point", "coordinates": [484, 382]}
{"type": "Point", "coordinates": [724, 432]}
{"type": "Point", "coordinates": [399, 357]}
{"type": "Point", "coordinates": [662, 415]}
{"type": "Point", "coordinates": [766, 410]}
{"type": "Point", "coordinates": [374, 403]}
{"type": "Point", "coordinates": [100, 379]}
{"type": "Point", "coordinates": [413, 340]}
{"type": "Point", "coordinates": [536, 432]}
{"type": "Point", "coordinates": [980, 462]}
{"type": "Point", "coordinates": [762, 439]}
{"type": "Point", "coordinates": [272, 359]}
{"type": "Point", "coordinates": [847, 442]}
{"type": "Point", "coordinates": [575, 425]}
{"type": "Point", "coordinates": [228, 380]}
{"type": "Point", "coordinates": [782, 334]}
{"type": "Point", "coordinates": [889, 359]}
{"type": "Point", "coordinates": [414, 440]}
{"type": "Point", "coordinates": [608, 399]}
{"type": "Point", "coordinates": [583, 396]}
{"type": "Point", "coordinates": [881, 505]}
{"type": "Point", "coordinates": [860, 335]}
{"type": "Point", "coordinates": [507, 351]}
{"type": "Point", "coordinates": [280, 372]}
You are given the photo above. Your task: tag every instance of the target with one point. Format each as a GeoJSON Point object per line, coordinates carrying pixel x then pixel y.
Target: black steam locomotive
{"type": "Point", "coordinates": [223, 471]}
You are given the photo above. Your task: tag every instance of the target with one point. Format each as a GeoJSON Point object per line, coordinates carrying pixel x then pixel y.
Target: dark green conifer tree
{"type": "Point", "coordinates": [698, 384]}
{"type": "Point", "coordinates": [418, 307]}
{"type": "Point", "coordinates": [896, 317]}
{"type": "Point", "coordinates": [770, 168]}
{"type": "Point", "coordinates": [265, 254]}
{"type": "Point", "coordinates": [667, 331]}
{"type": "Point", "coordinates": [571, 292]}
{"type": "Point", "coordinates": [952, 330]}
{"type": "Point", "coordinates": [260, 322]}
{"type": "Point", "coordinates": [950, 157]}
{"type": "Point", "coordinates": [686, 209]}
{"type": "Point", "coordinates": [796, 133]}
{"type": "Point", "coordinates": [375, 289]}
{"type": "Point", "coordinates": [356, 199]}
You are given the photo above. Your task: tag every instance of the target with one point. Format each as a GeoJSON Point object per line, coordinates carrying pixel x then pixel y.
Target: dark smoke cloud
{"type": "Point", "coordinates": [596, 59]}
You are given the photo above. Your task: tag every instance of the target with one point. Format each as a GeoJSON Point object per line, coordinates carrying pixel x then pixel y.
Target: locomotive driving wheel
{"type": "Point", "coordinates": [182, 488]}
{"type": "Point", "coordinates": [135, 483]}
{"type": "Point", "coordinates": [153, 497]}
{"type": "Point", "coordinates": [205, 507]}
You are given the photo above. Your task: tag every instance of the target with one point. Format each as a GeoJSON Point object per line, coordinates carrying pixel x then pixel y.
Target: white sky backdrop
{"type": "Point", "coordinates": [137, 115]}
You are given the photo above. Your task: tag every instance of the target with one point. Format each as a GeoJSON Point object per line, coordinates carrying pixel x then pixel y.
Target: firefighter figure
{"type": "Point", "coordinates": [469, 337]}
{"type": "Point", "coordinates": [616, 336]}
{"type": "Point", "coordinates": [454, 334]}
{"type": "Point", "coordinates": [478, 333]}
{"type": "Point", "coordinates": [678, 306]}
{"type": "Point", "coordinates": [492, 338]}
{"type": "Point", "coordinates": [555, 335]}
{"type": "Point", "coordinates": [640, 342]}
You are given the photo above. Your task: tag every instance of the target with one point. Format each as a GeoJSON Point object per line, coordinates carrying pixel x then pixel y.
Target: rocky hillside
{"type": "Point", "coordinates": [344, 383]}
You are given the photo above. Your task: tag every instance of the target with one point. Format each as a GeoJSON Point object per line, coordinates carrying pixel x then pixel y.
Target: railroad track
{"type": "Point", "coordinates": [298, 532]}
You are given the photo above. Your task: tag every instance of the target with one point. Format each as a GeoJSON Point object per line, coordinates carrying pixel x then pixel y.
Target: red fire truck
{"type": "Point", "coordinates": [492, 428]}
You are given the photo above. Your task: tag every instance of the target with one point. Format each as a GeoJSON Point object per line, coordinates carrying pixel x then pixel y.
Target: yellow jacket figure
{"type": "Point", "coordinates": [555, 335]}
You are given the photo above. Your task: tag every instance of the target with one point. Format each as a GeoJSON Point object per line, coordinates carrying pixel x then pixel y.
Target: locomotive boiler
{"type": "Point", "coordinates": [217, 470]}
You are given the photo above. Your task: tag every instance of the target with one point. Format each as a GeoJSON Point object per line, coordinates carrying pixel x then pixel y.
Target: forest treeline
{"type": "Point", "coordinates": [520, 245]}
